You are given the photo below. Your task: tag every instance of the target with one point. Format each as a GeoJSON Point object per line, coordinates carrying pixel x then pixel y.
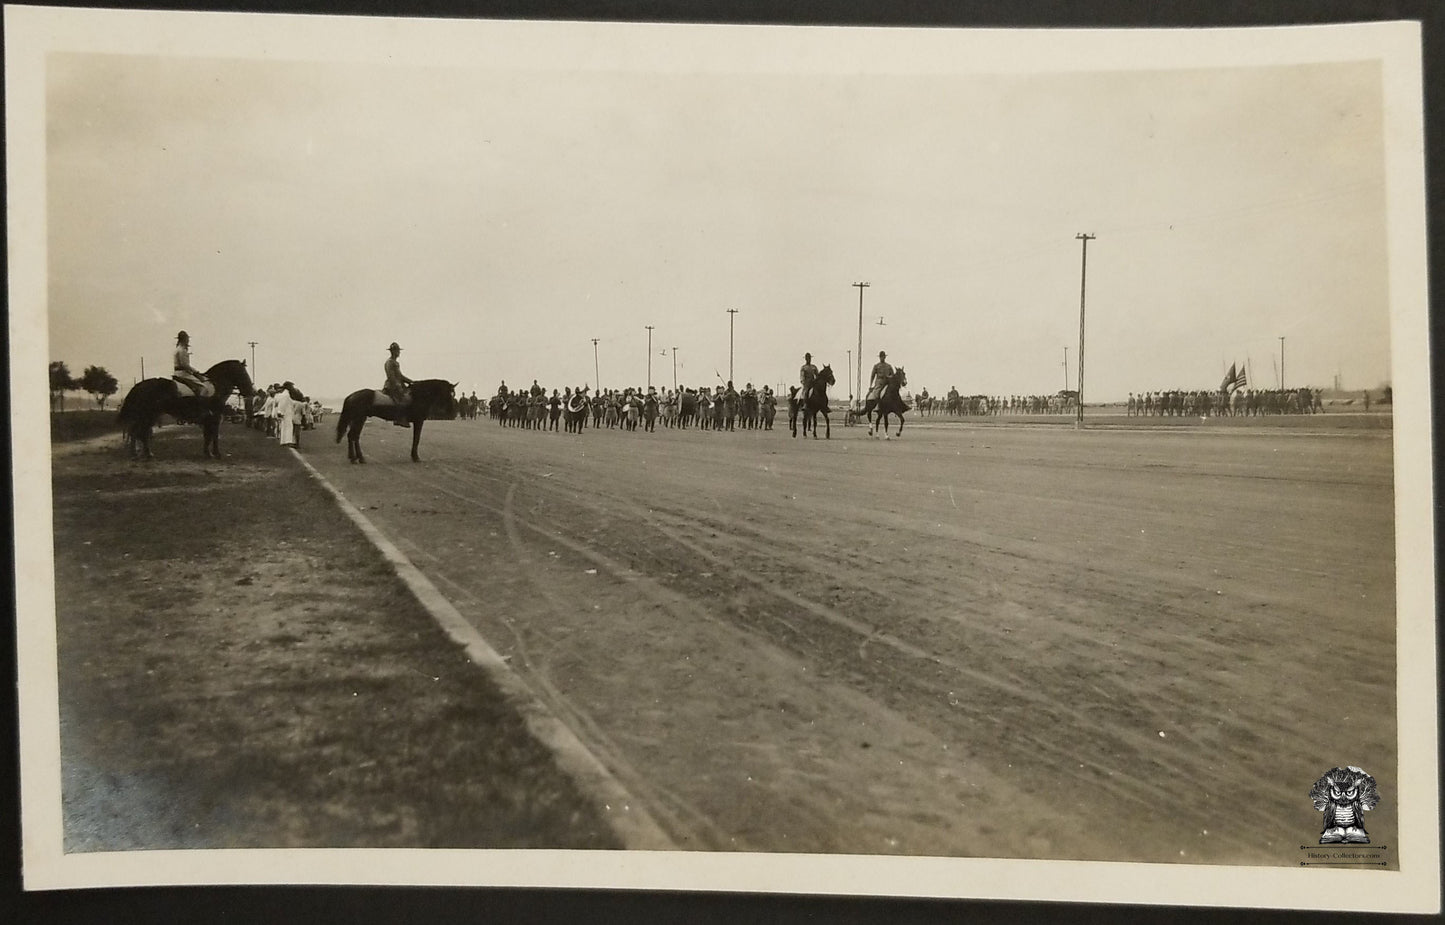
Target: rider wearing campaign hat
{"type": "Point", "coordinates": [396, 383]}
{"type": "Point", "coordinates": [184, 371]}
{"type": "Point", "coordinates": [882, 372]}
{"type": "Point", "coordinates": [807, 374]}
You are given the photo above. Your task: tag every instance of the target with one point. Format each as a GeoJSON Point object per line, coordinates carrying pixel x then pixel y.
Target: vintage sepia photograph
{"type": "Point", "coordinates": [861, 461]}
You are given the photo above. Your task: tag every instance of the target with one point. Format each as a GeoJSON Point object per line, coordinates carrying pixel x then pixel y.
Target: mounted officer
{"type": "Point", "coordinates": [396, 383]}
{"type": "Point", "coordinates": [185, 373]}
{"type": "Point", "coordinates": [882, 372]}
{"type": "Point", "coordinates": [807, 374]}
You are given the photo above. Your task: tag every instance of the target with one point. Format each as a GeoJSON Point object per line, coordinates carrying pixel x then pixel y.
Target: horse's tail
{"type": "Point", "coordinates": [138, 408]}
{"type": "Point", "coordinates": [343, 420]}
{"type": "Point", "coordinates": [126, 411]}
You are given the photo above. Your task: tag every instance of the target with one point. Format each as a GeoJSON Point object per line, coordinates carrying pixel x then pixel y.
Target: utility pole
{"type": "Point", "coordinates": [732, 316]}
{"type": "Point", "coordinates": [1066, 367]}
{"type": "Point", "coordinates": [649, 355]}
{"type": "Point", "coordinates": [859, 380]}
{"type": "Point", "coordinates": [674, 369]}
{"type": "Point", "coordinates": [253, 359]}
{"type": "Point", "coordinates": [597, 376]}
{"type": "Point", "coordinates": [142, 369]}
{"type": "Point", "coordinates": [850, 384]}
{"type": "Point", "coordinates": [1281, 364]}
{"type": "Point", "coordinates": [1083, 282]}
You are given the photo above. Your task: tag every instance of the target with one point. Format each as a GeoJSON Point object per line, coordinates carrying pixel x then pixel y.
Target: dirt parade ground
{"type": "Point", "coordinates": [1121, 643]}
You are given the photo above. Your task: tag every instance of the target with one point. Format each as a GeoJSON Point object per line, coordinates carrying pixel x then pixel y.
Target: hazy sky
{"type": "Point", "coordinates": [494, 221]}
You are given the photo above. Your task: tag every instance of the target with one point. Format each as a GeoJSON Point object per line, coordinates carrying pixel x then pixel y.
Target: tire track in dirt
{"type": "Point", "coordinates": [679, 607]}
{"type": "Point", "coordinates": [683, 822]}
{"type": "Point", "coordinates": [676, 817]}
{"type": "Point", "coordinates": [1134, 788]}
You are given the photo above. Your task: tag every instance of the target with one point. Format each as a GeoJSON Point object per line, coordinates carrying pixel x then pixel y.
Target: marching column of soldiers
{"type": "Point", "coordinates": [977, 405]}
{"type": "Point", "coordinates": [724, 408]}
{"type": "Point", "coordinates": [1223, 403]}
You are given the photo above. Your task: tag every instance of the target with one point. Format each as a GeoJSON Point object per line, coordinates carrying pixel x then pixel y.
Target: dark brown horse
{"type": "Point", "coordinates": [430, 398]}
{"type": "Point", "coordinates": [889, 401]}
{"type": "Point", "coordinates": [815, 402]}
{"type": "Point", "coordinates": [150, 398]}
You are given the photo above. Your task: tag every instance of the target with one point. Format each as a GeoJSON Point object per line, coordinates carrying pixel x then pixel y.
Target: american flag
{"type": "Point", "coordinates": [1236, 378]}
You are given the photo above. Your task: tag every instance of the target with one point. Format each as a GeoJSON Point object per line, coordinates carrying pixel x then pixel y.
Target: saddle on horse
{"type": "Point", "coordinates": [385, 399]}
{"type": "Point", "coordinates": [198, 387]}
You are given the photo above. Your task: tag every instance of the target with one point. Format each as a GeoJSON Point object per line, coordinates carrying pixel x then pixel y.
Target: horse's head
{"type": "Point", "coordinates": [231, 374]}
{"type": "Point", "coordinates": [900, 377]}
{"type": "Point", "coordinates": [826, 374]}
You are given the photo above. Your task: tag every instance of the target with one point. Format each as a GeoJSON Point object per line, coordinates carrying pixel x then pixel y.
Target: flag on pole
{"type": "Point", "coordinates": [1229, 378]}
{"type": "Point", "coordinates": [1236, 378]}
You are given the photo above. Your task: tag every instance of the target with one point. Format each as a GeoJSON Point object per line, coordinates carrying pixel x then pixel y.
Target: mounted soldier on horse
{"type": "Point", "coordinates": [402, 401]}
{"type": "Point", "coordinates": [885, 395]}
{"type": "Point", "coordinates": [189, 396]}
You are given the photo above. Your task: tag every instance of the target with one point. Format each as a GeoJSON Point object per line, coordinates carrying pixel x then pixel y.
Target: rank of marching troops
{"type": "Point", "coordinates": [571, 410]}
{"type": "Point", "coordinates": [1222, 403]}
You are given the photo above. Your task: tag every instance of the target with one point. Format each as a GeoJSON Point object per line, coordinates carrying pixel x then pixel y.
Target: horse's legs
{"type": "Point", "coordinates": [353, 442]}
{"type": "Point", "coordinates": [827, 427]}
{"type": "Point", "coordinates": [415, 439]}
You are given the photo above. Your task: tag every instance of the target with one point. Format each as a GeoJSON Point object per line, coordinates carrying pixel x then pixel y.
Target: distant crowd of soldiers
{"type": "Point", "coordinates": [535, 408]}
{"type": "Point", "coordinates": [1222, 403]}
{"type": "Point", "coordinates": [972, 405]}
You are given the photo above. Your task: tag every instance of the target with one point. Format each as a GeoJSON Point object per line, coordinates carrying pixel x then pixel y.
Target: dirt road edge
{"type": "Point", "coordinates": [633, 824]}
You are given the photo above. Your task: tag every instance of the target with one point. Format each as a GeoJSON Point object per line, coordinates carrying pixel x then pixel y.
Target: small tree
{"type": "Point", "coordinates": [99, 383]}
{"type": "Point", "coordinates": [60, 382]}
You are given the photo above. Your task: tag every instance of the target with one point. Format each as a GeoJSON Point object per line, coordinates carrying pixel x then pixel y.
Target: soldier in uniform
{"type": "Point", "coordinates": [882, 371]}
{"type": "Point", "coordinates": [396, 383]}
{"type": "Point", "coordinates": [806, 375]}
{"type": "Point", "coordinates": [184, 371]}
